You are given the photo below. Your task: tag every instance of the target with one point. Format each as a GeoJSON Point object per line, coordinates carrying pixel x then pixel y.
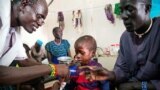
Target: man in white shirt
{"type": "Point", "coordinates": [29, 14]}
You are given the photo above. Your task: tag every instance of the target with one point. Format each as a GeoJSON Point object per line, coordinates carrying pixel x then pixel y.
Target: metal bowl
{"type": "Point", "coordinates": [64, 59]}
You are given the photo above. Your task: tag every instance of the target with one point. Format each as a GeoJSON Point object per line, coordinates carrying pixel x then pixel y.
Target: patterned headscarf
{"type": "Point", "coordinates": [39, 42]}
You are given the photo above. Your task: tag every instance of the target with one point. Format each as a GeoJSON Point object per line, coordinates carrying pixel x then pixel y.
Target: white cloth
{"type": "Point", "coordinates": [16, 51]}
{"type": "Point", "coordinates": [5, 6]}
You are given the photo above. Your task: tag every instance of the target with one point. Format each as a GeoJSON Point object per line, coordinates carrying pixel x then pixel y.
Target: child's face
{"type": "Point", "coordinates": [83, 54]}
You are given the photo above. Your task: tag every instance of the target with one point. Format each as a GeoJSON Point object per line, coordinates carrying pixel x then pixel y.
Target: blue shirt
{"type": "Point", "coordinates": [57, 50]}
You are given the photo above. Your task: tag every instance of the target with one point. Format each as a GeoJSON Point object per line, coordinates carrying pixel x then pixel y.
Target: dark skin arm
{"type": "Point", "coordinates": [49, 57]}
{"type": "Point", "coordinates": [27, 49]}
{"type": "Point", "coordinates": [14, 75]}
{"type": "Point", "coordinates": [99, 73]}
{"type": "Point", "coordinates": [69, 53]}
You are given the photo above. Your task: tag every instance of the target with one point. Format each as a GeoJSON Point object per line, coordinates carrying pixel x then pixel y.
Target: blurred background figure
{"type": "Point", "coordinates": [58, 47]}
{"type": "Point", "coordinates": [36, 52]}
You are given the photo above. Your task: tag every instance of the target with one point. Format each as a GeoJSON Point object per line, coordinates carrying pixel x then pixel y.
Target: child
{"type": "Point", "coordinates": [85, 49]}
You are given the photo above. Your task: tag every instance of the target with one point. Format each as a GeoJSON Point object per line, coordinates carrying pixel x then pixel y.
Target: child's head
{"type": "Point", "coordinates": [85, 48]}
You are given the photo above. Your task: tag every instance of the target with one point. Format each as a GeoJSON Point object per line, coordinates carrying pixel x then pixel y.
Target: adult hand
{"type": "Point", "coordinates": [98, 73]}
{"type": "Point", "coordinates": [62, 70]}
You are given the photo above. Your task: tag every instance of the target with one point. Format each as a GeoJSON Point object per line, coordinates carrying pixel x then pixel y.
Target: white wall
{"type": "Point", "coordinates": [95, 22]}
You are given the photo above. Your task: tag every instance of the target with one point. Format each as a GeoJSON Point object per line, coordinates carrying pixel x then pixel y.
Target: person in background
{"type": "Point", "coordinates": [58, 47]}
{"type": "Point", "coordinates": [138, 65]}
{"type": "Point", "coordinates": [85, 49]}
{"type": "Point", "coordinates": [37, 52]}
{"type": "Point", "coordinates": [29, 14]}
